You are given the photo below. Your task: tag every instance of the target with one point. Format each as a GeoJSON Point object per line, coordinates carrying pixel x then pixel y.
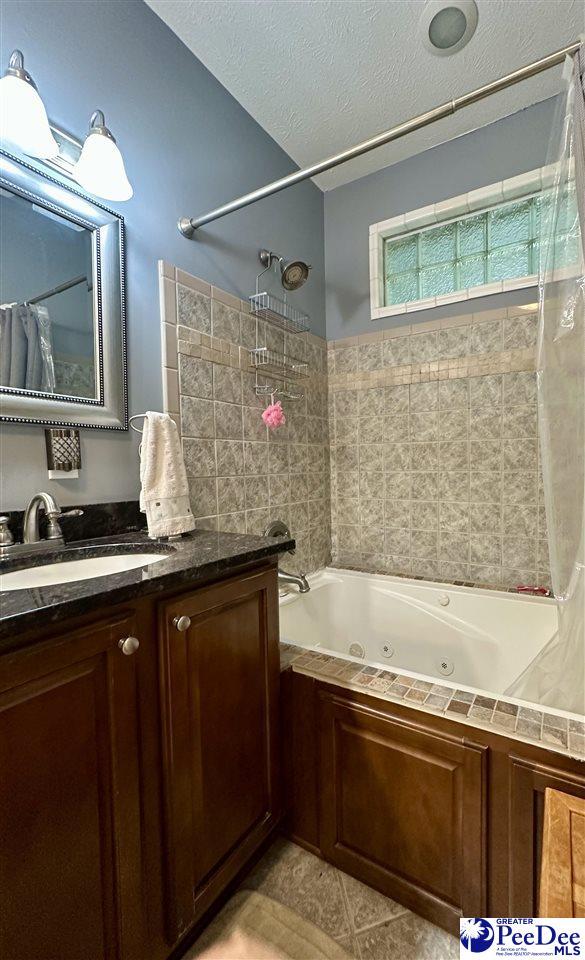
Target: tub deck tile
{"type": "Point", "coordinates": [422, 685]}
{"type": "Point", "coordinates": [551, 720]}
{"type": "Point", "coordinates": [391, 677]}
{"type": "Point", "coordinates": [442, 691]}
{"type": "Point", "coordinates": [528, 715]}
{"type": "Point", "coordinates": [510, 708]}
{"type": "Point", "coordinates": [504, 720]}
{"type": "Point", "coordinates": [528, 728]}
{"type": "Point", "coordinates": [418, 696]}
{"type": "Point", "coordinates": [362, 680]}
{"type": "Point", "coordinates": [433, 700]}
{"type": "Point", "coordinates": [563, 735]}
{"type": "Point", "coordinates": [487, 702]}
{"type": "Point", "coordinates": [554, 735]}
{"type": "Point", "coordinates": [478, 712]}
{"type": "Point", "coordinates": [459, 707]}
{"type": "Point", "coordinates": [464, 696]}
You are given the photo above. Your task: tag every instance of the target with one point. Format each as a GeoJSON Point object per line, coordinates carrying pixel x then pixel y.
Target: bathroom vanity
{"type": "Point", "coordinates": [139, 754]}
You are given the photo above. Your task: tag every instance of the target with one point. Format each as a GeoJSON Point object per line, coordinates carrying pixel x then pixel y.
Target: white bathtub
{"type": "Point", "coordinates": [481, 639]}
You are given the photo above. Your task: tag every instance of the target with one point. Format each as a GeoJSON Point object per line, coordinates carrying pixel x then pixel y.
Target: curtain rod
{"type": "Point", "coordinates": [60, 288]}
{"type": "Point", "coordinates": [188, 225]}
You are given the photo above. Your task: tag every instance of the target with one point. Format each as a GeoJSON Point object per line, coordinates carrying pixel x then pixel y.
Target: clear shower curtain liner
{"type": "Point", "coordinates": [556, 677]}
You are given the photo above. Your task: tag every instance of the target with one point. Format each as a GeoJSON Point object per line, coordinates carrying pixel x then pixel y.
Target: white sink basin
{"type": "Point", "coordinates": [70, 570]}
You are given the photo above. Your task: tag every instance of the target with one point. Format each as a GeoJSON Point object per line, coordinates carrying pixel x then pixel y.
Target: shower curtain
{"type": "Point", "coordinates": [556, 677]}
{"type": "Point", "coordinates": [26, 350]}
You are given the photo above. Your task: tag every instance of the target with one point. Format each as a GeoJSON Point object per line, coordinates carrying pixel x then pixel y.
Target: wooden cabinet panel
{"type": "Point", "coordinates": [69, 799]}
{"type": "Point", "coordinates": [219, 687]}
{"type": "Point", "coordinates": [403, 808]}
{"type": "Point", "coordinates": [528, 782]}
{"type": "Point", "coordinates": [300, 757]}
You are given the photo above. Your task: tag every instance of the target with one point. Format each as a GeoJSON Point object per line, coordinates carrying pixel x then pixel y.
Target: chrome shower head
{"type": "Point", "coordinates": [293, 273]}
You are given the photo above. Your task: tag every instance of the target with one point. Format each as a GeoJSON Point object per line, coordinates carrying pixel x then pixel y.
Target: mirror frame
{"type": "Point", "coordinates": [109, 411]}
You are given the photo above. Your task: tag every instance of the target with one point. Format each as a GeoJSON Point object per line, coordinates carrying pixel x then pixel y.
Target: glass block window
{"type": "Point", "coordinates": [496, 244]}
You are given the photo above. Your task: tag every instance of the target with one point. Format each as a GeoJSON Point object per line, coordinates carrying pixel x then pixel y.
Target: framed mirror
{"type": "Point", "coordinates": [62, 304]}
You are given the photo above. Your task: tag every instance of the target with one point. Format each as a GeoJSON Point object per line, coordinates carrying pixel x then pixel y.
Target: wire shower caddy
{"type": "Point", "coordinates": [279, 313]}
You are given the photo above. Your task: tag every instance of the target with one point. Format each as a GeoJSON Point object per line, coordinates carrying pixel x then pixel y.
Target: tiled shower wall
{"type": "Point", "coordinates": [241, 475]}
{"type": "Point", "coordinates": [432, 438]}
{"type": "Point", "coordinates": [434, 450]}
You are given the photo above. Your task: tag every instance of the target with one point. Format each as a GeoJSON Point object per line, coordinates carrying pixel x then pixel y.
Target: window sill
{"type": "Point", "coordinates": [471, 293]}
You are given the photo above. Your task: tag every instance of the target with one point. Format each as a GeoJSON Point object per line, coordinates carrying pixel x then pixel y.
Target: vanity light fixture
{"type": "Point", "coordinates": [23, 119]}
{"type": "Point", "coordinates": [100, 168]}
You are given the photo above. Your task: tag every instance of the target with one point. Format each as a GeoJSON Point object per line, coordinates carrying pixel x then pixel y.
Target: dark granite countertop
{"type": "Point", "coordinates": [199, 556]}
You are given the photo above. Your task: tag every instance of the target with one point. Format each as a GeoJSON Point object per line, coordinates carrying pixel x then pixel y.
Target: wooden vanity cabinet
{"type": "Point", "coordinates": [219, 676]}
{"type": "Point", "coordinates": [135, 786]}
{"type": "Point", "coordinates": [70, 854]}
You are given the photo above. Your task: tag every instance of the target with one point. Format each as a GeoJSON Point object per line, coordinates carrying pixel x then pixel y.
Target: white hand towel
{"type": "Point", "coordinates": [164, 494]}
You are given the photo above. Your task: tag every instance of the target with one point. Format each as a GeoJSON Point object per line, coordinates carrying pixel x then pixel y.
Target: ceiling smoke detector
{"type": "Point", "coordinates": [448, 25]}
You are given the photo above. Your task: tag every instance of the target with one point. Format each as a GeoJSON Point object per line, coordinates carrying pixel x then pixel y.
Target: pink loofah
{"type": "Point", "coordinates": [274, 416]}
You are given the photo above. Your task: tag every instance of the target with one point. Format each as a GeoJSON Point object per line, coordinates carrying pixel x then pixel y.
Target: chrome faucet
{"type": "Point", "coordinates": [52, 510]}
{"type": "Point", "coordinates": [299, 580]}
{"type": "Point", "coordinates": [32, 542]}
{"type": "Point", "coordinates": [278, 528]}
{"type": "Point", "coordinates": [31, 532]}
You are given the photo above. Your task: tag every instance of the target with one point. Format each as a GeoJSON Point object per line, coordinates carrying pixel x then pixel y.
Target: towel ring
{"type": "Point", "coordinates": [137, 416]}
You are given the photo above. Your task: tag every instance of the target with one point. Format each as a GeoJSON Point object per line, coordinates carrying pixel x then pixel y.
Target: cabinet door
{"type": "Point", "coordinates": [69, 799]}
{"type": "Point", "coordinates": [528, 782]}
{"type": "Point", "coordinates": [403, 808]}
{"type": "Point", "coordinates": [219, 696]}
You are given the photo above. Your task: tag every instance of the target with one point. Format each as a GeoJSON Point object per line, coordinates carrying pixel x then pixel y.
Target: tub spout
{"type": "Point", "coordinates": [299, 580]}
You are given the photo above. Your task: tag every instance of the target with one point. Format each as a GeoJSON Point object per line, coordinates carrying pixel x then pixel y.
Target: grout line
{"type": "Point", "coordinates": [404, 911]}
{"type": "Point", "coordinates": [371, 926]}
{"type": "Point", "coordinates": [345, 901]}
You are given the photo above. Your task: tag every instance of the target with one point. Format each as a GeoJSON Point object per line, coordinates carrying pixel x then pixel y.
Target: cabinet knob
{"type": "Point", "coordinates": [129, 645]}
{"type": "Point", "coordinates": [182, 623]}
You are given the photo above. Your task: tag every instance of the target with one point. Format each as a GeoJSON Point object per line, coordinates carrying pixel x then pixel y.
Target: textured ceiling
{"type": "Point", "coordinates": [321, 75]}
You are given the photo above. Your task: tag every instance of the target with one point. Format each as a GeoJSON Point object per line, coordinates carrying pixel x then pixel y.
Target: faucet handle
{"type": "Point", "coordinates": [6, 538]}
{"type": "Point", "coordinates": [54, 531]}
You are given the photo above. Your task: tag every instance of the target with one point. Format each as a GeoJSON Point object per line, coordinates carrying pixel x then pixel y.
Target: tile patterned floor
{"type": "Point", "coordinates": [368, 925]}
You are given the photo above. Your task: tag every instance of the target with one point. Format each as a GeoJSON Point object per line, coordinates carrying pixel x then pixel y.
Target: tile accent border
{"type": "Point", "coordinates": [411, 222]}
{"type": "Point", "coordinates": [496, 714]}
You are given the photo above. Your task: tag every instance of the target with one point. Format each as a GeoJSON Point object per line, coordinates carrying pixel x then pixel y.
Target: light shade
{"type": "Point", "coordinates": [100, 168]}
{"type": "Point", "coordinates": [448, 25]}
{"type": "Point", "coordinates": [24, 124]}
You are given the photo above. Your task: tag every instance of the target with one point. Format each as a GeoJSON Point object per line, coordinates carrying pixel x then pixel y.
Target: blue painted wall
{"type": "Point", "coordinates": [188, 146]}
{"type": "Point", "coordinates": [504, 149]}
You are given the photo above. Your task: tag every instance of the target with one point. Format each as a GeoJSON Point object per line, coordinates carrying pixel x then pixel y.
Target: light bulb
{"type": "Point", "coordinates": [100, 168]}
{"type": "Point", "coordinates": [24, 124]}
